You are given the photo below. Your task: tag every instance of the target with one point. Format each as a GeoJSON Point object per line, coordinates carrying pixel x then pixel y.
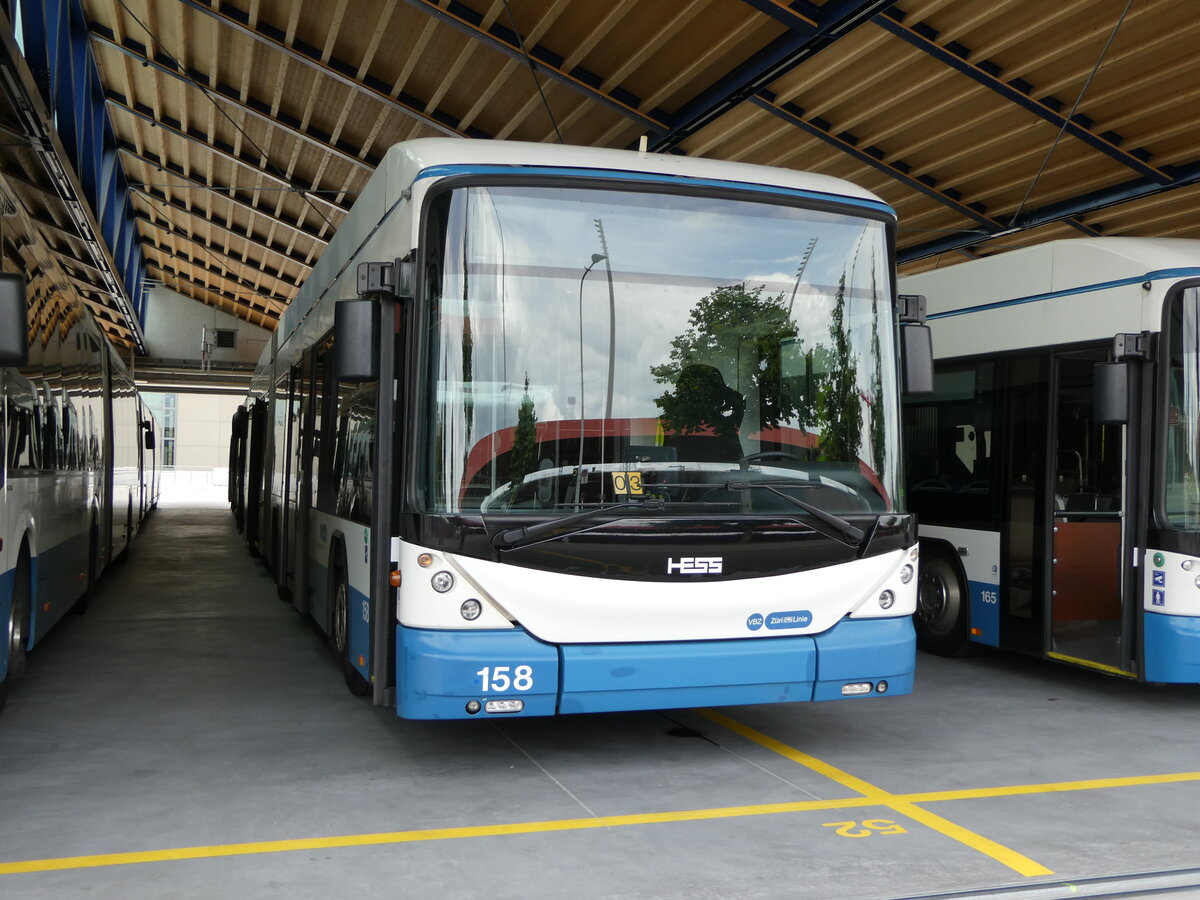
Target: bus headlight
{"type": "Point", "coordinates": [1186, 565]}
{"type": "Point", "coordinates": [886, 599]}
{"type": "Point", "coordinates": [906, 574]}
{"type": "Point", "coordinates": [471, 609]}
{"type": "Point", "coordinates": [442, 582]}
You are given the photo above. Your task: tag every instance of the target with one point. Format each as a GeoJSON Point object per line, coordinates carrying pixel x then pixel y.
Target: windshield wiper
{"type": "Point", "coordinates": [513, 537]}
{"type": "Point", "coordinates": [851, 534]}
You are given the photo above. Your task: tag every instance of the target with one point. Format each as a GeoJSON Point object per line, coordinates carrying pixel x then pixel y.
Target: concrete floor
{"type": "Point", "coordinates": [190, 736]}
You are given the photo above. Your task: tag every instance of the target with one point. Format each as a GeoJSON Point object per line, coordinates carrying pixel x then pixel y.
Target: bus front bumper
{"type": "Point", "coordinates": [476, 674]}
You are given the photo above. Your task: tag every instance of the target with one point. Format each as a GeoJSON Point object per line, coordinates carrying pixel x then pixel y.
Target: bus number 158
{"type": "Point", "coordinates": [496, 678]}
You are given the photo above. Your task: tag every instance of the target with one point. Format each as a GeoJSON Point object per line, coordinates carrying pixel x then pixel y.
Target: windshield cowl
{"type": "Point", "coordinates": [638, 547]}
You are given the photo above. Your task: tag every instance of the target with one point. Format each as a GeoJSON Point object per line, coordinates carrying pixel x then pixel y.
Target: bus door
{"type": "Point", "coordinates": [1021, 439]}
{"type": "Point", "coordinates": [1089, 587]}
{"type": "Point", "coordinates": [293, 456]}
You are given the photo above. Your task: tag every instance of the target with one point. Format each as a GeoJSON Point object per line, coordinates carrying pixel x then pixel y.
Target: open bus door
{"type": "Point", "coordinates": [1092, 592]}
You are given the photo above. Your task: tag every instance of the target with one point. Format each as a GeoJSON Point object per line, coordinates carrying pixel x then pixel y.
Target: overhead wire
{"type": "Point", "coordinates": [1071, 115]}
{"type": "Point", "coordinates": [533, 71]}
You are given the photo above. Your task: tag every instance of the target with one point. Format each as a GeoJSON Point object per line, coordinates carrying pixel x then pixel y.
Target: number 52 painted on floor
{"type": "Point", "coordinates": [869, 827]}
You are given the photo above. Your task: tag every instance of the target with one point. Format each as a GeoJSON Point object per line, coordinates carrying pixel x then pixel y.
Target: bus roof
{"type": "Point", "coordinates": [430, 153]}
{"type": "Point", "coordinates": [424, 160]}
{"type": "Point", "coordinates": [1054, 266]}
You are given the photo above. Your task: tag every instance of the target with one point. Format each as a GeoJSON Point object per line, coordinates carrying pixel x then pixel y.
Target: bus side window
{"type": "Point", "coordinates": [948, 435]}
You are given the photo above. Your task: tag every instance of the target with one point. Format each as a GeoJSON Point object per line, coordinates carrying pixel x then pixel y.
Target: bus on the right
{"type": "Point", "coordinates": [1055, 468]}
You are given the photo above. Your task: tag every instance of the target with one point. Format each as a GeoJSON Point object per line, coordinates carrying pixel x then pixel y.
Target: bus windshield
{"type": "Point", "coordinates": [591, 346]}
{"type": "Point", "coordinates": [1183, 419]}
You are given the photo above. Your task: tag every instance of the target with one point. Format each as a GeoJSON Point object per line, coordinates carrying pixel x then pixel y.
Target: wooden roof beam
{"type": "Point", "coordinates": [174, 231]}
{"type": "Point", "coordinates": [169, 257]}
{"type": "Point", "coordinates": [211, 219]}
{"type": "Point", "coordinates": [330, 66]}
{"type": "Point", "coordinates": [235, 299]}
{"type": "Point", "coordinates": [988, 74]}
{"type": "Point", "coordinates": [501, 38]}
{"type": "Point", "coordinates": [253, 107]}
{"type": "Point", "coordinates": [232, 194]}
{"type": "Point", "coordinates": [1093, 201]}
{"type": "Point", "coordinates": [251, 161]}
{"type": "Point", "coordinates": [877, 159]}
{"type": "Point", "coordinates": [807, 35]}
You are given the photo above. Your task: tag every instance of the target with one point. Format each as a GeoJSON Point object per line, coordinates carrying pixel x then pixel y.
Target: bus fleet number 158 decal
{"type": "Point", "coordinates": [497, 679]}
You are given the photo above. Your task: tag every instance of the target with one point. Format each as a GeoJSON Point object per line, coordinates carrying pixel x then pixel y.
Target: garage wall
{"type": "Point", "coordinates": [174, 328]}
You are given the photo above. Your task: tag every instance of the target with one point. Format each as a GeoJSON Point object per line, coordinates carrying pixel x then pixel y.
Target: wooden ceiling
{"type": "Point", "coordinates": [246, 128]}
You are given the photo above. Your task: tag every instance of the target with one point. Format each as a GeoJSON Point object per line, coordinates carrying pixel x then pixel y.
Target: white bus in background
{"type": "Point", "coordinates": [78, 468]}
{"type": "Point", "coordinates": [606, 431]}
{"type": "Point", "coordinates": [1054, 467]}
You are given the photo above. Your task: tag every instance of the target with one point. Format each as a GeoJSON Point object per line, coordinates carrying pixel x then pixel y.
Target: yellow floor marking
{"type": "Point", "coordinates": [905, 804]}
{"type": "Point", "coordinates": [430, 834]}
{"type": "Point", "coordinates": [1011, 858]}
{"type": "Point", "coordinates": [1017, 790]}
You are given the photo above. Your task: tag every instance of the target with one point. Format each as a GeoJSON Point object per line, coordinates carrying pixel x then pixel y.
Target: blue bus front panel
{"type": "Point", "coordinates": [1172, 648]}
{"type": "Point", "coordinates": [440, 673]}
{"type": "Point", "coordinates": [866, 650]}
{"type": "Point", "coordinates": [611, 677]}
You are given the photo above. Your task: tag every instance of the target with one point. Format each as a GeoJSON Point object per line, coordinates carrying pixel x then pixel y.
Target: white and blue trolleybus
{"type": "Point", "coordinates": [555, 430]}
{"type": "Point", "coordinates": [78, 464]}
{"type": "Point", "coordinates": [1054, 466]}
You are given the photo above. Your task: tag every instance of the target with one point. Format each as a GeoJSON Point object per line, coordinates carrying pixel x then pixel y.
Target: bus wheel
{"type": "Point", "coordinates": [80, 606]}
{"type": "Point", "coordinates": [340, 635]}
{"type": "Point", "coordinates": [943, 615]}
{"type": "Point", "coordinates": [18, 621]}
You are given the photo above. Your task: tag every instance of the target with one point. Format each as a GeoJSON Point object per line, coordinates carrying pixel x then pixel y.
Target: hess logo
{"type": "Point", "coordinates": [695, 565]}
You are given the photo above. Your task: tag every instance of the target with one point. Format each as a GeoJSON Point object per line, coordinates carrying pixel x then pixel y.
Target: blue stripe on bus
{"type": "Point", "coordinates": [652, 177]}
{"type": "Point", "coordinates": [439, 672]}
{"type": "Point", "coordinates": [1171, 646]}
{"type": "Point", "coordinates": [1157, 275]}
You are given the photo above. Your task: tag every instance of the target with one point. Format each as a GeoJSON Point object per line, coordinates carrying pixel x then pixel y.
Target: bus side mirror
{"type": "Point", "coordinates": [148, 439]}
{"type": "Point", "coordinates": [1110, 393]}
{"type": "Point", "coordinates": [916, 348]}
{"type": "Point", "coordinates": [14, 329]}
{"type": "Point", "coordinates": [356, 340]}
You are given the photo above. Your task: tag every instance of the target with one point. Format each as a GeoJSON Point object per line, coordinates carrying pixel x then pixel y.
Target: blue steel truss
{"type": "Point", "coordinates": [810, 30]}
{"type": "Point", "coordinates": [987, 73]}
{"type": "Point", "coordinates": [1135, 189]}
{"type": "Point", "coordinates": [53, 35]}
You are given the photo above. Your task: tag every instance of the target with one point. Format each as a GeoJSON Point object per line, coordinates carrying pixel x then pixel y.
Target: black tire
{"type": "Point", "coordinates": [80, 606]}
{"type": "Point", "coordinates": [16, 635]}
{"type": "Point", "coordinates": [943, 611]}
{"type": "Point", "coordinates": [339, 632]}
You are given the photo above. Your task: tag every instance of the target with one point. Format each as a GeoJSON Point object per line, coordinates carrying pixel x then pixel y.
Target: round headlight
{"type": "Point", "coordinates": [442, 582]}
{"type": "Point", "coordinates": [471, 609]}
{"type": "Point", "coordinates": [886, 599]}
{"type": "Point", "coordinates": [1186, 565]}
{"type": "Point", "coordinates": [425, 560]}
{"type": "Point", "coordinates": [906, 574]}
